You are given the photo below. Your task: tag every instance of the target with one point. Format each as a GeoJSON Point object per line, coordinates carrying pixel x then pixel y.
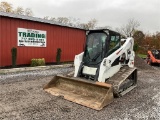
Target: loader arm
{"type": "Point", "coordinates": [126, 49]}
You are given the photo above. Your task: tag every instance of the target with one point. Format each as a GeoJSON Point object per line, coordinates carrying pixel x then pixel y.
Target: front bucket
{"type": "Point", "coordinates": [94, 95]}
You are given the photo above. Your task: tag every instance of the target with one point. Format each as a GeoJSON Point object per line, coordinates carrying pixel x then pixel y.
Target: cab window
{"type": "Point", "coordinates": [114, 43]}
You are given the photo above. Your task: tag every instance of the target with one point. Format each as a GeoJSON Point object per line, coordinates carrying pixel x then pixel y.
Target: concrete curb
{"type": "Point", "coordinates": [25, 69]}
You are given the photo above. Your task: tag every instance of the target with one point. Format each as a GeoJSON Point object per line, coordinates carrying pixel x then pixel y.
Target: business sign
{"type": "Point", "coordinates": [31, 37]}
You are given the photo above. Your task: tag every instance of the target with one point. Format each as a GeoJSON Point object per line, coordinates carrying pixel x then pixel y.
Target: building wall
{"type": "Point", "coordinates": [70, 40]}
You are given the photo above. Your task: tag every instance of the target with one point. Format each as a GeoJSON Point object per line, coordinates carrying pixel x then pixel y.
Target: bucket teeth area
{"type": "Point", "coordinates": [91, 94]}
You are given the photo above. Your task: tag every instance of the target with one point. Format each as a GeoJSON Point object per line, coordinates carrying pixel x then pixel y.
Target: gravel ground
{"type": "Point", "coordinates": [22, 98]}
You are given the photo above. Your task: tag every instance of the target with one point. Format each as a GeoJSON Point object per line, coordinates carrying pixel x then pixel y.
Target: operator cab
{"type": "Point", "coordinates": [156, 54]}
{"type": "Point", "coordinates": [99, 44]}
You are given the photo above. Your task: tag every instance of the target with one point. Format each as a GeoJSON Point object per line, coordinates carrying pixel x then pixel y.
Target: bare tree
{"type": "Point", "coordinates": [6, 7]}
{"type": "Point", "coordinates": [73, 22]}
{"type": "Point", "coordinates": [19, 11]}
{"type": "Point", "coordinates": [46, 17]}
{"type": "Point", "coordinates": [82, 25]}
{"type": "Point", "coordinates": [129, 29]}
{"type": "Point", "coordinates": [63, 20]}
{"type": "Point", "coordinates": [90, 25]}
{"type": "Point", "coordinates": [28, 12]}
{"type": "Point", "coordinates": [105, 27]}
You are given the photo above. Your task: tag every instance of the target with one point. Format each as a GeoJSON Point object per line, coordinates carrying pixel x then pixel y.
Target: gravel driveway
{"type": "Point", "coordinates": [22, 98]}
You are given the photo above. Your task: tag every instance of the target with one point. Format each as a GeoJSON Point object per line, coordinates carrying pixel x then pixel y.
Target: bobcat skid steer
{"type": "Point", "coordinates": [104, 70]}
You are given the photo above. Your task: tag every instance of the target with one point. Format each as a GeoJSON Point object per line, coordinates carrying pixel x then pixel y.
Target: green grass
{"type": "Point", "coordinates": [142, 56]}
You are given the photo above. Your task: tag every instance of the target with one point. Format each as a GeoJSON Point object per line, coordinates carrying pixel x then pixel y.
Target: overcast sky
{"type": "Point", "coordinates": [114, 13]}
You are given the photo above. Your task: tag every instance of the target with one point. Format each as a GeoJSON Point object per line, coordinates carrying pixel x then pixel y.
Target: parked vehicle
{"type": "Point", "coordinates": [153, 57]}
{"type": "Point", "coordinates": [104, 70]}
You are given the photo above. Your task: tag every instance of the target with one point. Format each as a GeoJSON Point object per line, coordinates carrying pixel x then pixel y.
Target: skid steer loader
{"type": "Point", "coordinates": [103, 71]}
{"type": "Point", "coordinates": [153, 57]}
